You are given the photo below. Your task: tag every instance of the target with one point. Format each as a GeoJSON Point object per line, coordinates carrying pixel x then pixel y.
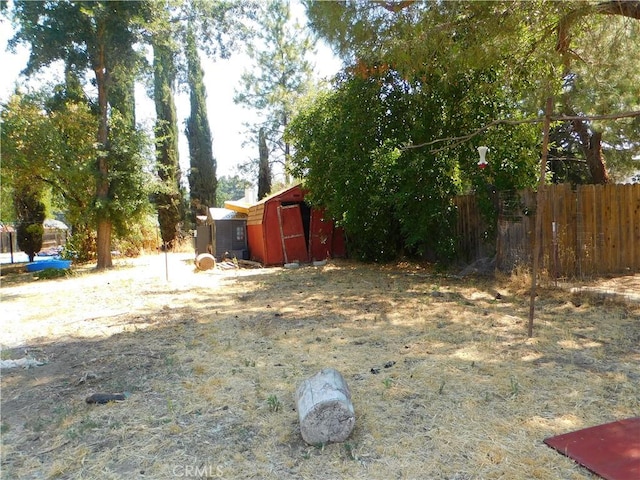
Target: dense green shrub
{"type": "Point", "coordinates": [365, 152]}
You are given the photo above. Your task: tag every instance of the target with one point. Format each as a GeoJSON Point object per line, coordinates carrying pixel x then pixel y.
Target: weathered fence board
{"type": "Point", "coordinates": [470, 228]}
{"type": "Point", "coordinates": [516, 221]}
{"type": "Point", "coordinates": [592, 229]}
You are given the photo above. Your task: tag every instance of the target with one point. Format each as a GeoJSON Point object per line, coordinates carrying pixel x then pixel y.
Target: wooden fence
{"type": "Point", "coordinates": [592, 229]}
{"type": "Point", "coordinates": [474, 239]}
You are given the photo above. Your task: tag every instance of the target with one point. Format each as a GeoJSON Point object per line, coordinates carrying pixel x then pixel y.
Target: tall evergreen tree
{"type": "Point", "coordinates": [202, 175]}
{"type": "Point", "coordinates": [601, 71]}
{"type": "Point", "coordinates": [169, 196]}
{"type": "Point", "coordinates": [281, 75]}
{"type": "Point", "coordinates": [213, 27]}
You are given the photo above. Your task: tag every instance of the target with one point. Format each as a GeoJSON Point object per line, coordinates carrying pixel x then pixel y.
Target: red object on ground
{"type": "Point", "coordinates": [611, 450]}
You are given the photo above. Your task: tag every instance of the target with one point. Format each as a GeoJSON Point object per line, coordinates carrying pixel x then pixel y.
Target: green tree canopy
{"type": "Point", "coordinates": [388, 149]}
{"type": "Point", "coordinates": [106, 42]}
{"type": "Point", "coordinates": [231, 188]}
{"type": "Point", "coordinates": [97, 38]}
{"type": "Point", "coordinates": [48, 141]}
{"type": "Point", "coordinates": [583, 53]}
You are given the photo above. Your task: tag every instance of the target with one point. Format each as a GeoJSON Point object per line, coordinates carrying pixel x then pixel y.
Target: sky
{"type": "Point", "coordinates": [221, 78]}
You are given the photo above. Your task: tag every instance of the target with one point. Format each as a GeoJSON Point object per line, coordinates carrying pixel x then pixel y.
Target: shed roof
{"type": "Point", "coordinates": [279, 192]}
{"type": "Point", "coordinates": [238, 206]}
{"type": "Point", "coordinates": [225, 214]}
{"type": "Point", "coordinates": [54, 224]}
{"type": "Point", "coordinates": [243, 206]}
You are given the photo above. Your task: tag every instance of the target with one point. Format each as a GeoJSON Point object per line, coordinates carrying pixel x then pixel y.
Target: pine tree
{"type": "Point", "coordinates": [281, 76]}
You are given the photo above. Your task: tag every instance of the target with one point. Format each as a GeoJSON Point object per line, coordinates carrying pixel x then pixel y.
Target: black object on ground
{"type": "Point", "coordinates": [106, 398]}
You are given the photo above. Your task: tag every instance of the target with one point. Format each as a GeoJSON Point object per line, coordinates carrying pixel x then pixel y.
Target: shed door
{"type": "Point", "coordinates": [294, 245]}
{"type": "Point", "coordinates": [321, 236]}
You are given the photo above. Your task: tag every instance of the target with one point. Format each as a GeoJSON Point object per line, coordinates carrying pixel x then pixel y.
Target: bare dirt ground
{"type": "Point", "coordinates": [445, 383]}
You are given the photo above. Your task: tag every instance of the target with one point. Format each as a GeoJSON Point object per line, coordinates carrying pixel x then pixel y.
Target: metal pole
{"type": "Point", "coordinates": [537, 234]}
{"type": "Point", "coordinates": [11, 245]}
{"type": "Point", "coordinates": [166, 262]}
{"type": "Point", "coordinates": [554, 229]}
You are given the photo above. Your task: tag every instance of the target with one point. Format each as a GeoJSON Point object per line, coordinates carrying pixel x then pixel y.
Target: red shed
{"type": "Point", "coordinates": [282, 228]}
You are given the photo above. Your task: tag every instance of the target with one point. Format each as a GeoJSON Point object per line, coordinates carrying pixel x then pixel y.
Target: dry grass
{"type": "Point", "coordinates": [212, 360]}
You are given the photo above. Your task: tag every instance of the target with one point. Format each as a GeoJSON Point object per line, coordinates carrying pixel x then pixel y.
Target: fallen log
{"type": "Point", "coordinates": [324, 408]}
{"type": "Point", "coordinates": [249, 263]}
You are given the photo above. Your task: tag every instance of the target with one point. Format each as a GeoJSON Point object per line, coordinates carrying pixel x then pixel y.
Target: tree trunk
{"type": "Point", "coordinates": [103, 240]}
{"type": "Point", "coordinates": [287, 152]}
{"type": "Point", "coordinates": [592, 147]}
{"type": "Point", "coordinates": [103, 244]}
{"type": "Point", "coordinates": [629, 9]}
{"type": "Point", "coordinates": [264, 171]}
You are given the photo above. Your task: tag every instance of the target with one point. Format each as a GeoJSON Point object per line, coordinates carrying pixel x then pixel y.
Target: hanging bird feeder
{"type": "Point", "coordinates": [482, 163]}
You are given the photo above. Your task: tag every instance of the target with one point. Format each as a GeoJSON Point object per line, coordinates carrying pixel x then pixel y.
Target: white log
{"type": "Point", "coordinates": [324, 408]}
{"type": "Point", "coordinates": [205, 261]}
